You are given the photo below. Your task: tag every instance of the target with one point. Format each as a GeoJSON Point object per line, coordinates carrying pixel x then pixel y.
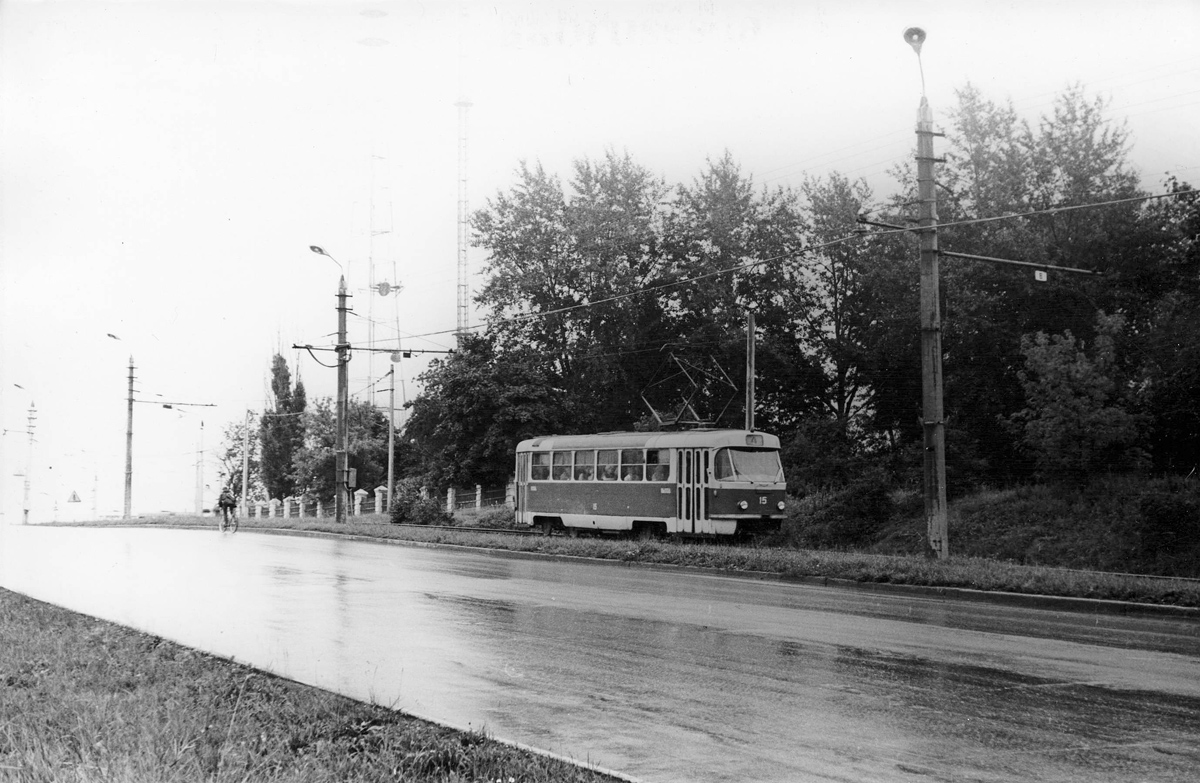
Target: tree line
{"type": "Point", "coordinates": [612, 293]}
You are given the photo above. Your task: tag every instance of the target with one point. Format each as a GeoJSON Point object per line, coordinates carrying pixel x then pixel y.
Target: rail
{"type": "Point", "coordinates": [462, 529]}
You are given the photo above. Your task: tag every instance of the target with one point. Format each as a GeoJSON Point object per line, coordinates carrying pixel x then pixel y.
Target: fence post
{"type": "Point", "coordinates": [320, 509]}
{"type": "Point", "coordinates": [510, 494]}
{"type": "Point", "coordinates": [359, 495]}
{"type": "Point", "coordinates": [379, 493]}
{"type": "Point", "coordinates": [451, 498]}
{"type": "Point", "coordinates": [262, 508]}
{"type": "Point", "coordinates": [287, 508]}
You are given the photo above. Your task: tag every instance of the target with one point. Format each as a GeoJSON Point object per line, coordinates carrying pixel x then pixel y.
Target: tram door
{"type": "Point", "coordinates": [522, 498]}
{"type": "Point", "coordinates": [692, 472]}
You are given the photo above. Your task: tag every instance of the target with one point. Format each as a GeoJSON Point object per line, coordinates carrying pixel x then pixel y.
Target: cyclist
{"type": "Point", "coordinates": [228, 508]}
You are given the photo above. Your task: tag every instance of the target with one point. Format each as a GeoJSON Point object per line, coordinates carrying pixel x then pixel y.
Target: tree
{"type": "Point", "coordinates": [567, 275]}
{"type": "Point", "coordinates": [997, 164]}
{"type": "Point", "coordinates": [313, 464]}
{"type": "Point", "coordinates": [833, 316]}
{"type": "Point", "coordinates": [477, 405]}
{"type": "Point", "coordinates": [1076, 420]}
{"type": "Point", "coordinates": [233, 440]}
{"type": "Point", "coordinates": [739, 246]}
{"type": "Point", "coordinates": [282, 431]}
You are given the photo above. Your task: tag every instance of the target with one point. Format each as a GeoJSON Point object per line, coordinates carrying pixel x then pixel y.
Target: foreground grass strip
{"type": "Point", "coordinates": [969, 573]}
{"type": "Point", "coordinates": [83, 699]}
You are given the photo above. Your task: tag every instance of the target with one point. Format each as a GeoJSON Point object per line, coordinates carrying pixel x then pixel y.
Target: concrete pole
{"type": "Point", "coordinates": [200, 473]}
{"type": "Point", "coordinates": [343, 396]}
{"type": "Point", "coordinates": [933, 417]}
{"type": "Point", "coordinates": [32, 424]}
{"type": "Point", "coordinates": [750, 368]}
{"type": "Point", "coordinates": [245, 465]}
{"type": "Point", "coordinates": [391, 485]}
{"type": "Point", "coordinates": [129, 446]}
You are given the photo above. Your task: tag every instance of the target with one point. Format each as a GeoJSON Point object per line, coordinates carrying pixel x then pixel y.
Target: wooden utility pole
{"type": "Point", "coordinates": [343, 396]}
{"type": "Point", "coordinates": [932, 412]}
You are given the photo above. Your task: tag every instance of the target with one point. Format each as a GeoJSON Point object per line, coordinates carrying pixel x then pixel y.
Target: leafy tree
{"type": "Point", "coordinates": [282, 431]}
{"type": "Point", "coordinates": [476, 406]}
{"type": "Point", "coordinates": [739, 246]}
{"type": "Point", "coordinates": [233, 440]}
{"type": "Point", "coordinates": [834, 304]}
{"type": "Point", "coordinates": [566, 273]}
{"type": "Point", "coordinates": [1166, 325]}
{"type": "Point", "coordinates": [997, 164]}
{"type": "Point", "coordinates": [1076, 420]}
{"type": "Point", "coordinates": [314, 463]}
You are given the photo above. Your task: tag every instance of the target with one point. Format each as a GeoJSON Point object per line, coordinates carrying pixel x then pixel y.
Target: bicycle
{"type": "Point", "coordinates": [229, 520]}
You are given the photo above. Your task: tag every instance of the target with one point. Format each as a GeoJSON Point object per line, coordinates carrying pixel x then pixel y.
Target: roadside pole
{"type": "Point", "coordinates": [932, 412]}
{"type": "Point", "coordinates": [342, 478]}
{"type": "Point", "coordinates": [129, 445]}
{"type": "Point", "coordinates": [245, 465]}
{"type": "Point", "coordinates": [391, 440]}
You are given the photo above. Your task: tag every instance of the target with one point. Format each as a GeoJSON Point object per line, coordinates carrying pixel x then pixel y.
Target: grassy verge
{"type": "Point", "coordinates": [84, 699]}
{"type": "Point", "coordinates": [965, 572]}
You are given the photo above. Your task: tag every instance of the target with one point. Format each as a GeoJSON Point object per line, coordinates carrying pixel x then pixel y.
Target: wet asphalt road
{"type": "Point", "coordinates": [661, 676]}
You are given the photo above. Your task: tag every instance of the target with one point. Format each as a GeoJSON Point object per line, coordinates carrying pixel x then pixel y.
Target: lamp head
{"type": "Point", "coordinates": [914, 37]}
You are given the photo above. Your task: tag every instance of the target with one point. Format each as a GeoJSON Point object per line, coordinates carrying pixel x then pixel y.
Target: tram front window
{"type": "Point", "coordinates": [747, 465]}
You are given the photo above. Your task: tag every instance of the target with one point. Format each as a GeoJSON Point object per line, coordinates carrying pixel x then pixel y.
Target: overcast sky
{"type": "Point", "coordinates": [166, 165]}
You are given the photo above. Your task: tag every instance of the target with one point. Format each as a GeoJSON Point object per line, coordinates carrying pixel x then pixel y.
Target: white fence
{"type": "Point", "coordinates": [368, 503]}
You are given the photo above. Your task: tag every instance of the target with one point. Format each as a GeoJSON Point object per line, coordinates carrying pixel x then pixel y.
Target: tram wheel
{"type": "Point", "coordinates": [546, 525]}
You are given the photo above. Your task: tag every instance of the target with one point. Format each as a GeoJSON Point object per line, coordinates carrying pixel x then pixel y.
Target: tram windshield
{"type": "Point", "coordinates": [748, 465]}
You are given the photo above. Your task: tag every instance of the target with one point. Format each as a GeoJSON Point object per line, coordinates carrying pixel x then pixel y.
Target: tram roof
{"type": "Point", "coordinates": [700, 438]}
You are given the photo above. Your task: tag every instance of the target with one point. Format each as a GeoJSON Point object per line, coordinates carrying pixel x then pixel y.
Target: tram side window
{"type": "Point", "coordinates": [539, 469]}
{"type": "Point", "coordinates": [606, 464]}
{"type": "Point", "coordinates": [562, 466]}
{"type": "Point", "coordinates": [585, 465]}
{"type": "Point", "coordinates": [658, 464]}
{"type": "Point", "coordinates": [633, 463]}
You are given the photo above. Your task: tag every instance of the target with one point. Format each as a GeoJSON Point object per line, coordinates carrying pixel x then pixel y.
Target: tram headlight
{"type": "Point", "coordinates": [781, 505]}
{"type": "Point", "coordinates": [743, 505]}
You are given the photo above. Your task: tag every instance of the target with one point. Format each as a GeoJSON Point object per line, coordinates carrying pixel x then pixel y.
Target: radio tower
{"type": "Point", "coordinates": [463, 233]}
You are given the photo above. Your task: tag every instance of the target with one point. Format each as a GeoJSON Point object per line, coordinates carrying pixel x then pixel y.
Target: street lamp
{"type": "Point", "coordinates": [341, 477]}
{"type": "Point", "coordinates": [321, 251]}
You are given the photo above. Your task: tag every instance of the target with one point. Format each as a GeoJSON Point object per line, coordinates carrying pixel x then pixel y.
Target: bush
{"type": "Point", "coordinates": [410, 508]}
{"type": "Point", "coordinates": [499, 517]}
{"type": "Point", "coordinates": [845, 519]}
{"type": "Point", "coordinates": [1170, 530]}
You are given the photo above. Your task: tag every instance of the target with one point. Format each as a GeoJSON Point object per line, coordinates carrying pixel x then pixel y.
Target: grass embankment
{"type": "Point", "coordinates": [84, 699]}
{"type": "Point", "coordinates": [975, 573]}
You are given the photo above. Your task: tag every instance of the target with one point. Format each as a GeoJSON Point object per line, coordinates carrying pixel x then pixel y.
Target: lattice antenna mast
{"type": "Point", "coordinates": [464, 293]}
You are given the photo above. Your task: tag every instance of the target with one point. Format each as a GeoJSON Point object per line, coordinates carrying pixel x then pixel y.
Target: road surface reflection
{"type": "Point", "coordinates": [660, 675]}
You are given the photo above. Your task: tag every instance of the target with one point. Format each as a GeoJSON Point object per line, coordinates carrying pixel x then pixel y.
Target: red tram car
{"type": "Point", "coordinates": [695, 482]}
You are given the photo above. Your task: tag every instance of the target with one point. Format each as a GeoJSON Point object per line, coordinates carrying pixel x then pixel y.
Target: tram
{"type": "Point", "coordinates": [702, 482]}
